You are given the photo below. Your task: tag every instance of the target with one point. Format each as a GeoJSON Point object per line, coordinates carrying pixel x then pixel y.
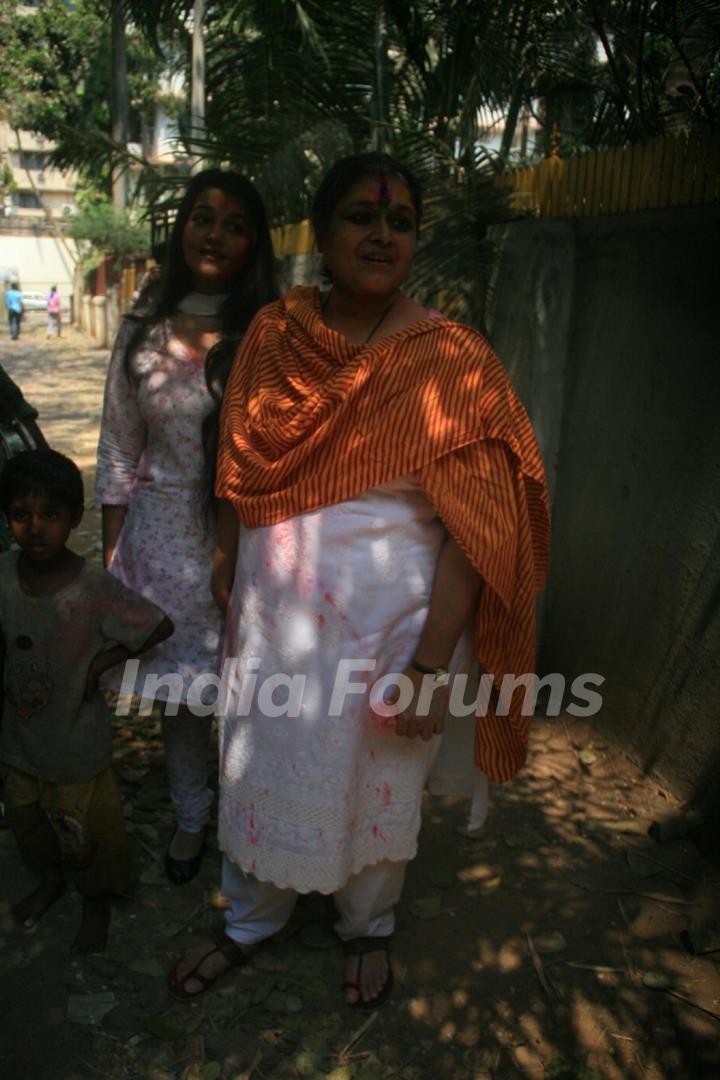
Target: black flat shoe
{"type": "Point", "coordinates": [181, 871]}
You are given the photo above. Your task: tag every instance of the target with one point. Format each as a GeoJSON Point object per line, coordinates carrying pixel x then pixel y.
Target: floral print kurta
{"type": "Point", "coordinates": [150, 459]}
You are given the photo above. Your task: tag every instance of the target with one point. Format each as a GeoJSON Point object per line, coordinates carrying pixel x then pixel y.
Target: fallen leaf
{"type": "Point", "coordinates": [150, 967]}
{"type": "Point", "coordinates": [308, 1063]}
{"type": "Point", "coordinates": [167, 1027]}
{"type": "Point", "coordinates": [262, 990]}
{"type": "Point", "coordinates": [132, 774]}
{"type": "Point", "coordinates": [490, 885]}
{"type": "Point", "coordinates": [640, 864]}
{"type": "Point", "coordinates": [315, 990]}
{"type": "Point", "coordinates": [479, 872]}
{"type": "Point", "coordinates": [621, 825]}
{"type": "Point", "coordinates": [601, 969]}
{"type": "Point", "coordinates": [552, 942]}
{"type": "Point", "coordinates": [661, 898]}
{"type": "Point", "coordinates": [153, 876]}
{"type": "Point", "coordinates": [482, 1059]}
{"type": "Point", "coordinates": [426, 908]}
{"type": "Point", "coordinates": [656, 980]}
{"type": "Point", "coordinates": [193, 1071]}
{"type": "Point", "coordinates": [539, 969]}
{"type": "Point", "coordinates": [522, 838]}
{"type": "Point", "coordinates": [580, 882]}
{"type": "Point", "coordinates": [265, 961]}
{"type": "Point", "coordinates": [218, 901]}
{"type": "Point", "coordinates": [279, 1002]}
{"type": "Point", "coordinates": [703, 938]}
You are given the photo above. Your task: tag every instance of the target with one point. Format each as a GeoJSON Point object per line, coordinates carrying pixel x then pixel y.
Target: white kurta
{"type": "Point", "coordinates": [307, 801]}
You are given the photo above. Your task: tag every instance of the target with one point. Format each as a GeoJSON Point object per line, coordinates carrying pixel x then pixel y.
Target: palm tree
{"type": "Point", "coordinates": [292, 84]}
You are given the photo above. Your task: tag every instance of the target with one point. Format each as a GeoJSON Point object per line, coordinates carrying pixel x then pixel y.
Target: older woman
{"type": "Point", "coordinates": [391, 495]}
{"type": "Point", "coordinates": [219, 270]}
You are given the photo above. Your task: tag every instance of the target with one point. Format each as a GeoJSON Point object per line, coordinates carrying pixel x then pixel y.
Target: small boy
{"type": "Point", "coordinates": [64, 622]}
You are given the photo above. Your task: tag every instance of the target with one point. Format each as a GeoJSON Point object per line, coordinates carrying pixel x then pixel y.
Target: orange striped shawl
{"type": "Point", "coordinates": [309, 420]}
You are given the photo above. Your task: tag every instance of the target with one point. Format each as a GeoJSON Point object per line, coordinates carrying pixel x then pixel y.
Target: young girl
{"type": "Point", "coordinates": [53, 312]}
{"type": "Point", "coordinates": [64, 622]}
{"type": "Point", "coordinates": [151, 480]}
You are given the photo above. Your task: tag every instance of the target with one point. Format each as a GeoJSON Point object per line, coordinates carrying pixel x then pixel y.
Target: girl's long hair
{"type": "Point", "coordinates": [255, 286]}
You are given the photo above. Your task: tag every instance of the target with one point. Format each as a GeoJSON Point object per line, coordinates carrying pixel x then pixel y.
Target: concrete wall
{"type": "Point", "coordinates": [610, 328]}
{"type": "Point", "coordinates": [41, 261]}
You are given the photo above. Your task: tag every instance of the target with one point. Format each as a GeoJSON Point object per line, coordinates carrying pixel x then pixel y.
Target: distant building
{"type": "Point", "coordinates": [32, 233]}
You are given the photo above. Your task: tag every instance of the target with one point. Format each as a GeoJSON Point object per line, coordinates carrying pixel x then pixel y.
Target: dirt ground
{"type": "Point", "coordinates": [562, 942]}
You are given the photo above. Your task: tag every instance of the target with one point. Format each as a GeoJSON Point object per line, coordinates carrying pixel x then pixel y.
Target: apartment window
{"type": "Point", "coordinates": [27, 200]}
{"type": "Point", "coordinates": [32, 159]}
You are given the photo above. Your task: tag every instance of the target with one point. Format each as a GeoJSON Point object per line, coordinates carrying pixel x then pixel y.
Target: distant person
{"type": "Point", "coordinates": [14, 305]}
{"type": "Point", "coordinates": [53, 312]}
{"type": "Point", "coordinates": [64, 622]}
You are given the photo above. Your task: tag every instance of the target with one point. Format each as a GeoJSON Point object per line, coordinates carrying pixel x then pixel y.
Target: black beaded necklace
{"type": "Point", "coordinates": [383, 315]}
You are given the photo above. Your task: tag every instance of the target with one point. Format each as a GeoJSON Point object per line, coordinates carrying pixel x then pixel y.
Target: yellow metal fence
{"type": "Point", "coordinates": [668, 171]}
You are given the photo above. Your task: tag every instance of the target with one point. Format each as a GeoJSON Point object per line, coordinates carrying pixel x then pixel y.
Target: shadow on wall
{"type": "Point", "coordinates": [616, 361]}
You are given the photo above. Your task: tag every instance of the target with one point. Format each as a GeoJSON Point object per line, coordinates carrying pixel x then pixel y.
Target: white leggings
{"type": "Point", "coordinates": [365, 903]}
{"type": "Point", "coordinates": [187, 740]}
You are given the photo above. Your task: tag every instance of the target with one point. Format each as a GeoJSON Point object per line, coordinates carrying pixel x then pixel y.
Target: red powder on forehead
{"type": "Point", "coordinates": [381, 195]}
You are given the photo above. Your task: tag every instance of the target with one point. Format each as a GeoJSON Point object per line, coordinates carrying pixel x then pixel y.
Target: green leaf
{"type": "Point", "coordinates": [150, 967]}
{"type": "Point", "coordinates": [167, 1027]}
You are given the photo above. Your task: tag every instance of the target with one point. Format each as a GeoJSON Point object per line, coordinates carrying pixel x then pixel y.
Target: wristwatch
{"type": "Point", "coordinates": [440, 675]}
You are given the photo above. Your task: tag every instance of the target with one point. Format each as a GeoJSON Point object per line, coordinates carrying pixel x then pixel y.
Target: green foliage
{"type": "Point", "coordinates": [293, 84]}
{"type": "Point", "coordinates": [7, 182]}
{"type": "Point", "coordinates": [56, 75]}
{"type": "Point", "coordinates": [102, 230]}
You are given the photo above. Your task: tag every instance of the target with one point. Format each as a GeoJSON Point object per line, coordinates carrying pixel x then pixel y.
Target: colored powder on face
{"type": "Point", "coordinates": [378, 191]}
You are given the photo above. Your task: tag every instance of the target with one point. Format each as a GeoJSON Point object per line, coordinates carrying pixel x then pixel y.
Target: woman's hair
{"type": "Point", "coordinates": [44, 473]}
{"type": "Point", "coordinates": [254, 286]}
{"type": "Point", "coordinates": [348, 171]}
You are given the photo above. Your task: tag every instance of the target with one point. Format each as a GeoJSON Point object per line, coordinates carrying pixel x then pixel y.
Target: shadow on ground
{"type": "Point", "coordinates": [550, 946]}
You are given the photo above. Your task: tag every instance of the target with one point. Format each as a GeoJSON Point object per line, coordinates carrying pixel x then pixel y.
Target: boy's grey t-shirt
{"type": "Point", "coordinates": [47, 728]}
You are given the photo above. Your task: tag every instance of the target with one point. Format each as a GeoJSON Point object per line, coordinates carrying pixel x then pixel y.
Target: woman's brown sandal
{"type": "Point", "coordinates": [360, 947]}
{"type": "Point", "coordinates": [233, 953]}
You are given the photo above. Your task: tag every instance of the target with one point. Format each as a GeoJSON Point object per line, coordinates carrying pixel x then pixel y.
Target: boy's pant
{"type": "Point", "coordinates": [79, 825]}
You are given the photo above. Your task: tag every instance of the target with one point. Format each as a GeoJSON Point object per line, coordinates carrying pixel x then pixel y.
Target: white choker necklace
{"type": "Point", "coordinates": [198, 303]}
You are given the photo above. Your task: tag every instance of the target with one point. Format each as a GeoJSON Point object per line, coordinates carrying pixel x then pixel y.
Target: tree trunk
{"type": "Point", "coordinates": [119, 107]}
{"type": "Point", "coordinates": [197, 109]}
{"type": "Point", "coordinates": [379, 104]}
